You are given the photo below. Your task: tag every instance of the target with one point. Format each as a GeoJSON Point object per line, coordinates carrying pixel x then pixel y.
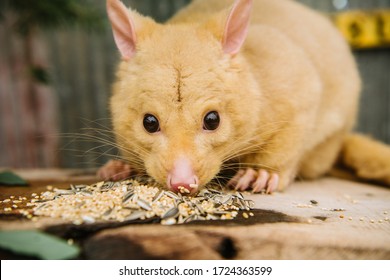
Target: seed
{"type": "Point", "coordinates": [194, 186]}
{"type": "Point", "coordinates": [385, 212]}
{"type": "Point", "coordinates": [190, 218]}
{"type": "Point", "coordinates": [65, 192]}
{"type": "Point", "coordinates": [86, 193]}
{"type": "Point", "coordinates": [135, 215]}
{"type": "Point", "coordinates": [144, 204]}
{"type": "Point", "coordinates": [6, 200]}
{"type": "Point", "coordinates": [338, 210]}
{"type": "Point", "coordinates": [129, 200]}
{"type": "Point", "coordinates": [350, 218]}
{"type": "Point", "coordinates": [183, 190]}
{"type": "Point", "coordinates": [251, 214]}
{"type": "Point", "coordinates": [171, 195]}
{"type": "Point", "coordinates": [170, 221]}
{"type": "Point", "coordinates": [88, 219]}
{"type": "Point", "coordinates": [372, 221]}
{"type": "Point", "coordinates": [386, 219]}
{"type": "Point", "coordinates": [171, 213]}
{"type": "Point", "coordinates": [127, 196]}
{"type": "Point", "coordinates": [214, 191]}
{"type": "Point", "coordinates": [245, 215]}
{"type": "Point", "coordinates": [314, 202]}
{"type": "Point", "coordinates": [304, 206]}
{"type": "Point", "coordinates": [341, 216]}
{"type": "Point", "coordinates": [250, 203]}
{"type": "Point", "coordinates": [49, 188]}
{"type": "Point", "coordinates": [158, 195]}
{"type": "Point", "coordinates": [361, 219]}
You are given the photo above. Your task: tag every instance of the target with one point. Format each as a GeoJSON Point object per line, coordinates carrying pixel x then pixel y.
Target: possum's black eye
{"type": "Point", "coordinates": [211, 121]}
{"type": "Point", "coordinates": [151, 123]}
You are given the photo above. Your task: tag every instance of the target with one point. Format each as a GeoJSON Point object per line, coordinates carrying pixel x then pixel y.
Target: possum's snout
{"type": "Point", "coordinates": [182, 177]}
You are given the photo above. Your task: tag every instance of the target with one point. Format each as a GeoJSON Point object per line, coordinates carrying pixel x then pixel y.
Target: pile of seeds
{"type": "Point", "coordinates": [130, 200]}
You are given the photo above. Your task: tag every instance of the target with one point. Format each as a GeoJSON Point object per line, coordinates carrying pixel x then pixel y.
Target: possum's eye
{"type": "Point", "coordinates": [211, 121]}
{"type": "Point", "coordinates": [151, 123]}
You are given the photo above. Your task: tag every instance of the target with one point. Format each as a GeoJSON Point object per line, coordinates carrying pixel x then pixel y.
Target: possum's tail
{"type": "Point", "coordinates": [366, 158]}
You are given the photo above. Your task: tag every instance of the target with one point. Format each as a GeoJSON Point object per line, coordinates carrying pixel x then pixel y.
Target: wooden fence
{"type": "Point", "coordinates": [81, 66]}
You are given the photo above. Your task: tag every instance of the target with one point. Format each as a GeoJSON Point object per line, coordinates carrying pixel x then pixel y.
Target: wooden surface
{"type": "Point", "coordinates": [324, 219]}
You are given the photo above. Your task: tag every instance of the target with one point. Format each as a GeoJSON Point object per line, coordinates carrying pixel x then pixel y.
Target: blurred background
{"type": "Point", "coordinates": [57, 63]}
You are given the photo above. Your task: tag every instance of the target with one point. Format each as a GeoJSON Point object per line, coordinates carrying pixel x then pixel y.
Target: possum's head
{"type": "Point", "coordinates": [184, 96]}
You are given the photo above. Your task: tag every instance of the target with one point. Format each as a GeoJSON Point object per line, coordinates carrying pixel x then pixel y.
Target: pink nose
{"type": "Point", "coordinates": [181, 176]}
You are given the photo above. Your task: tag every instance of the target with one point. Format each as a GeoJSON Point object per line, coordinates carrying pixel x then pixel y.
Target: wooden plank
{"type": "Point", "coordinates": [348, 220]}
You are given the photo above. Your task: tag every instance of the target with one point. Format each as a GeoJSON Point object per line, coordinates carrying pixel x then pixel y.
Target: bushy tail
{"type": "Point", "coordinates": [366, 158]}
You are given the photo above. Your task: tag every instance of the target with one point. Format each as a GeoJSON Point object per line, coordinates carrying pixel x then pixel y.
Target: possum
{"type": "Point", "coordinates": [266, 89]}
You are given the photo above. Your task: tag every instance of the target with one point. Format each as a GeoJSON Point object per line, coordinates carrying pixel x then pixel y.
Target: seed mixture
{"type": "Point", "coordinates": [131, 200]}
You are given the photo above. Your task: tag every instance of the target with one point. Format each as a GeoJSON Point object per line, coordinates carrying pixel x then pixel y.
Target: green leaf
{"type": "Point", "coordinates": [11, 179]}
{"type": "Point", "coordinates": [37, 244]}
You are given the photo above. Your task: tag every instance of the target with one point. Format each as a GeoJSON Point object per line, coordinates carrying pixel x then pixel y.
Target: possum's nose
{"type": "Point", "coordinates": [181, 176]}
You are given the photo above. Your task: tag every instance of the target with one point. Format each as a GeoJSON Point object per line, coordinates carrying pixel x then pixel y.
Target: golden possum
{"type": "Point", "coordinates": [267, 88]}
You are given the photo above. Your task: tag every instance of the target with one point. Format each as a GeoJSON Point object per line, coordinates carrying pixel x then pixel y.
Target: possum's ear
{"type": "Point", "coordinates": [236, 27]}
{"type": "Point", "coordinates": [126, 25]}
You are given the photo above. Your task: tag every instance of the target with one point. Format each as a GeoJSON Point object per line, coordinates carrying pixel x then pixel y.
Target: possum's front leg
{"type": "Point", "coordinates": [275, 166]}
{"type": "Point", "coordinates": [115, 170]}
{"type": "Point", "coordinates": [259, 180]}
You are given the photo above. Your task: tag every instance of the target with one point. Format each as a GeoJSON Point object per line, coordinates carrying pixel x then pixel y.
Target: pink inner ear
{"type": "Point", "coordinates": [236, 27]}
{"type": "Point", "coordinates": [123, 28]}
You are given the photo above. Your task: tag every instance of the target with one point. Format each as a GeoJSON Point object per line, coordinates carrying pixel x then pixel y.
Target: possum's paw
{"type": "Point", "coordinates": [114, 170]}
{"type": "Point", "coordinates": [259, 181]}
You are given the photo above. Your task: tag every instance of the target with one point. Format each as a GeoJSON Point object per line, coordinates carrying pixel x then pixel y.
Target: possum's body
{"type": "Point", "coordinates": [285, 87]}
{"type": "Point", "coordinates": [308, 74]}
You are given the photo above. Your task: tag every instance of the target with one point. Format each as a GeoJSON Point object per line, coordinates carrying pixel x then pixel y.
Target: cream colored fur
{"type": "Point", "coordinates": [286, 100]}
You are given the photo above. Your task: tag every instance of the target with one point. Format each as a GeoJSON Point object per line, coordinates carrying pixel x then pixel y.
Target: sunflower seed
{"type": "Point", "coordinates": [65, 192]}
{"type": "Point", "coordinates": [108, 212]}
{"type": "Point", "coordinates": [158, 195]}
{"type": "Point", "coordinates": [43, 205]}
{"type": "Point", "coordinates": [135, 216]}
{"type": "Point", "coordinates": [80, 187]}
{"type": "Point", "coordinates": [214, 191]}
{"type": "Point", "coordinates": [190, 218]}
{"type": "Point", "coordinates": [171, 195]}
{"type": "Point", "coordinates": [144, 204]}
{"type": "Point", "coordinates": [239, 195]}
{"type": "Point", "coordinates": [106, 186]}
{"type": "Point", "coordinates": [250, 204]}
{"type": "Point", "coordinates": [85, 192]}
{"type": "Point", "coordinates": [130, 200]}
{"type": "Point", "coordinates": [171, 213]}
{"type": "Point", "coordinates": [127, 196]}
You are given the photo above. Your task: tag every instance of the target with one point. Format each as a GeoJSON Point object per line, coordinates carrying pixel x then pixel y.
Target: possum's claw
{"type": "Point", "coordinates": [114, 170]}
{"type": "Point", "coordinates": [258, 181]}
